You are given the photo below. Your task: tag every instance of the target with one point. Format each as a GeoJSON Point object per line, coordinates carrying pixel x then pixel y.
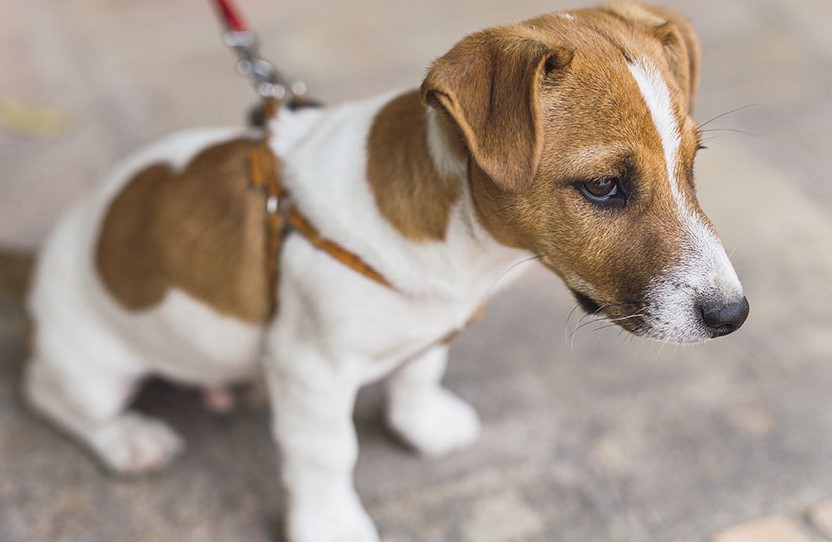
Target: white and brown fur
{"type": "Point", "coordinates": [161, 271]}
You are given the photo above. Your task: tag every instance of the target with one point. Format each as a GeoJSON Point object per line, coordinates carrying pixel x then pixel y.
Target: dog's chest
{"type": "Point", "coordinates": [343, 313]}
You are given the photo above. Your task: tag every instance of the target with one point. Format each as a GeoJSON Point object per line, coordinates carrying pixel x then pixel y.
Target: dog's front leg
{"type": "Point", "coordinates": [312, 403]}
{"type": "Point", "coordinates": [427, 416]}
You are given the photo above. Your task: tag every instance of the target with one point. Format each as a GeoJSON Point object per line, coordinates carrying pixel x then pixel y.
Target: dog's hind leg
{"type": "Point", "coordinates": [427, 416]}
{"type": "Point", "coordinates": [90, 407]}
{"type": "Point", "coordinates": [88, 401]}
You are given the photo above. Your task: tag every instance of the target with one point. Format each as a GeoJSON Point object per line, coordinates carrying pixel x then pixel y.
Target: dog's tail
{"type": "Point", "coordinates": [15, 271]}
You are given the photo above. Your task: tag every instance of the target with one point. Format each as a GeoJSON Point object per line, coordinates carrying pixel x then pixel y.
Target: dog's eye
{"type": "Point", "coordinates": [602, 188]}
{"type": "Point", "coordinates": [605, 192]}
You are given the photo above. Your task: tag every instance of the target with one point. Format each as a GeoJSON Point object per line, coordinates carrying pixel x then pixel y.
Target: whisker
{"type": "Point", "coordinates": [592, 314]}
{"type": "Point", "coordinates": [731, 112]}
{"type": "Point", "coordinates": [731, 254]}
{"type": "Point", "coordinates": [710, 140]}
{"type": "Point", "coordinates": [516, 264]}
{"type": "Point", "coordinates": [581, 323]}
{"type": "Point", "coordinates": [568, 318]}
{"type": "Point", "coordinates": [589, 323]}
{"type": "Point", "coordinates": [622, 318]}
{"type": "Point", "coordinates": [597, 317]}
{"type": "Point", "coordinates": [612, 322]}
{"type": "Point", "coordinates": [732, 130]}
{"type": "Point", "coordinates": [661, 349]}
{"type": "Point", "coordinates": [509, 268]}
{"type": "Point", "coordinates": [594, 320]}
{"type": "Point", "coordinates": [495, 213]}
{"type": "Point", "coordinates": [584, 317]}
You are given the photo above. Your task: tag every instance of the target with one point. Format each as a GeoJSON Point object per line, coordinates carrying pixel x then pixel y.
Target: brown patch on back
{"type": "Point", "coordinates": [199, 229]}
{"type": "Point", "coordinates": [409, 190]}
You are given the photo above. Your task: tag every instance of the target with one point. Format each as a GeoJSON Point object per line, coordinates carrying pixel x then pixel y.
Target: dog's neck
{"type": "Point", "coordinates": [451, 157]}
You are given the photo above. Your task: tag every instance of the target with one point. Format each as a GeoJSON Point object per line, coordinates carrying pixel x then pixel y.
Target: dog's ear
{"type": "Point", "coordinates": [489, 85]}
{"type": "Point", "coordinates": [681, 45]}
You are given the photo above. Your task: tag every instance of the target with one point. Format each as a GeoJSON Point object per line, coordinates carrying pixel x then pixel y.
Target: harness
{"type": "Point", "coordinates": [276, 91]}
{"type": "Point", "coordinates": [282, 216]}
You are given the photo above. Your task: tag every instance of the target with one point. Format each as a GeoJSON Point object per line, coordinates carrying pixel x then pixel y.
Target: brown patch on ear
{"type": "Point", "coordinates": [409, 190]}
{"type": "Point", "coordinates": [680, 43]}
{"type": "Point", "coordinates": [200, 230]}
{"type": "Point", "coordinates": [489, 86]}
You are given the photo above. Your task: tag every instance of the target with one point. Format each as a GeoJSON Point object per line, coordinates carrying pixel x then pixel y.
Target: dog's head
{"type": "Point", "coordinates": [581, 148]}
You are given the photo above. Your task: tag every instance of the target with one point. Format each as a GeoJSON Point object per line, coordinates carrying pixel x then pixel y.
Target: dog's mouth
{"type": "Point", "coordinates": [628, 315]}
{"type": "Point", "coordinates": [587, 303]}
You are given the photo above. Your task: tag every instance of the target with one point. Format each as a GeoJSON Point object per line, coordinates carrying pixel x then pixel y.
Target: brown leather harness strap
{"type": "Point", "coordinates": [301, 224]}
{"type": "Point", "coordinates": [449, 337]}
{"type": "Point", "coordinates": [282, 216]}
{"type": "Point", "coordinates": [262, 167]}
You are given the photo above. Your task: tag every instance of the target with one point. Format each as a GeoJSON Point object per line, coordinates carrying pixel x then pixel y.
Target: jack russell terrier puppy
{"type": "Point", "coordinates": [567, 137]}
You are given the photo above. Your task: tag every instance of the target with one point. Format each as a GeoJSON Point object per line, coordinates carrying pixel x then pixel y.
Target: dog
{"type": "Point", "coordinates": [567, 138]}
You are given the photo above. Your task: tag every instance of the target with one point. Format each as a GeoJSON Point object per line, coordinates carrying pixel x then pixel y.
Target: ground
{"type": "Point", "coordinates": [587, 437]}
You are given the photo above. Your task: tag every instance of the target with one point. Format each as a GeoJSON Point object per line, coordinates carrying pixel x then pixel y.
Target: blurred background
{"type": "Point", "coordinates": [591, 436]}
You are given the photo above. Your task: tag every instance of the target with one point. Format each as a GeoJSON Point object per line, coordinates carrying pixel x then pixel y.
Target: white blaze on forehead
{"type": "Point", "coordinates": [656, 94]}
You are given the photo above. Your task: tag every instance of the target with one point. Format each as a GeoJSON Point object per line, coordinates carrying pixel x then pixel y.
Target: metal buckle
{"type": "Point", "coordinates": [278, 205]}
{"type": "Point", "coordinates": [272, 204]}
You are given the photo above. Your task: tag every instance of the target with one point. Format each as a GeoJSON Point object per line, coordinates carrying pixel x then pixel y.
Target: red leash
{"type": "Point", "coordinates": [230, 16]}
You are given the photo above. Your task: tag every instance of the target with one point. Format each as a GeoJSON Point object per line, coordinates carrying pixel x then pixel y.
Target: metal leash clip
{"type": "Point", "coordinates": [268, 82]}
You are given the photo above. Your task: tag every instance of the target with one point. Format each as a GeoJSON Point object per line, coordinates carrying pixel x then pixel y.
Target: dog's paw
{"type": "Point", "coordinates": [434, 422]}
{"type": "Point", "coordinates": [344, 523]}
{"type": "Point", "coordinates": [133, 444]}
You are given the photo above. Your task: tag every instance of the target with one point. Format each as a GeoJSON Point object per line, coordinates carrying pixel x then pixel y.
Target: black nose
{"type": "Point", "coordinates": [724, 318]}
